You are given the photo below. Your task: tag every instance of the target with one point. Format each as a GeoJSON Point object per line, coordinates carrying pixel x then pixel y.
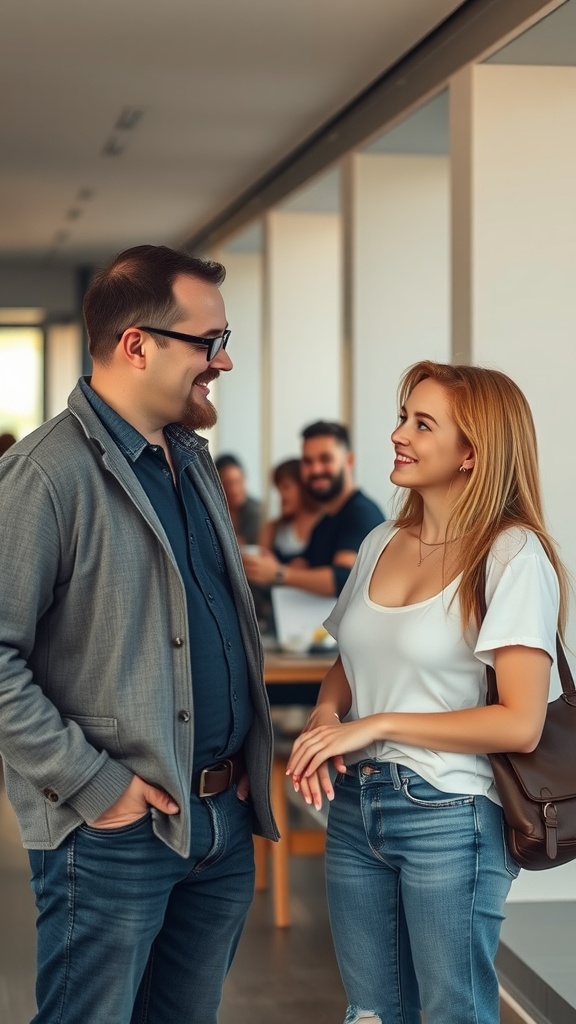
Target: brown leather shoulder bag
{"type": "Point", "coordinates": [538, 790]}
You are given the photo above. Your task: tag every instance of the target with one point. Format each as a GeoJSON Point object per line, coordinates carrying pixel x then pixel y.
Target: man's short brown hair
{"type": "Point", "coordinates": [136, 288]}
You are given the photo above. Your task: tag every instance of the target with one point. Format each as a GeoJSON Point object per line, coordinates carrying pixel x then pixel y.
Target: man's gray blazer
{"type": "Point", "coordinates": [94, 663]}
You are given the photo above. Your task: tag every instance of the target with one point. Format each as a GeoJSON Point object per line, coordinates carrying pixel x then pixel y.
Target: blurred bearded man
{"type": "Point", "coordinates": [326, 470]}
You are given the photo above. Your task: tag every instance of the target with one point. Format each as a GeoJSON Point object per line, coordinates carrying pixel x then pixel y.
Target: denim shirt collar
{"type": "Point", "coordinates": [129, 440]}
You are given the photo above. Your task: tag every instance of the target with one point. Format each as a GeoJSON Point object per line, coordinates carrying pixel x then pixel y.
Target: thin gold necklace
{"type": "Point", "coordinates": [439, 544]}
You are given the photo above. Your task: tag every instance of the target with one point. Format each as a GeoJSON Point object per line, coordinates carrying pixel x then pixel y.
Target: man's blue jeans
{"type": "Point", "coordinates": [129, 932]}
{"type": "Point", "coordinates": [417, 881]}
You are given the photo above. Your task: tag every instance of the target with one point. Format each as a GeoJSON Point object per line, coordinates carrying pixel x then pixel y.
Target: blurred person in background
{"type": "Point", "coordinates": [288, 535]}
{"type": "Point", "coordinates": [245, 512]}
{"type": "Point", "coordinates": [6, 442]}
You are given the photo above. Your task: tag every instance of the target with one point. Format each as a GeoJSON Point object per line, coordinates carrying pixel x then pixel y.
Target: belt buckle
{"type": "Point", "coordinates": [202, 791]}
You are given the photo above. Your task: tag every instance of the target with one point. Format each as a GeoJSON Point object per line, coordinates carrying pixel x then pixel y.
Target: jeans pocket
{"type": "Point", "coordinates": [511, 864]}
{"type": "Point", "coordinates": [423, 794]}
{"type": "Point", "coordinates": [118, 830]}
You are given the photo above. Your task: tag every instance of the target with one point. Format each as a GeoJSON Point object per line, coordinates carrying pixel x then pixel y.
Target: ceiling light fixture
{"type": "Point", "coordinates": [129, 118]}
{"type": "Point", "coordinates": [112, 147]}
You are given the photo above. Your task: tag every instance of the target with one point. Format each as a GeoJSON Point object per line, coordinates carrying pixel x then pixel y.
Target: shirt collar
{"type": "Point", "coordinates": [130, 441]}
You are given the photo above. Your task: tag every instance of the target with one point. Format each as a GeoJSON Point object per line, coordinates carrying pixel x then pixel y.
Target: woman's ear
{"type": "Point", "coordinates": [468, 462]}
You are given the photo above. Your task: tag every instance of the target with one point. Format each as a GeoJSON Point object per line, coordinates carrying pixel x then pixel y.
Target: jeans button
{"type": "Point", "coordinates": [183, 715]}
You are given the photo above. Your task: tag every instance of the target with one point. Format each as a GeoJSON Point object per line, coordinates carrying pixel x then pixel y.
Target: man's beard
{"type": "Point", "coordinates": [201, 415]}
{"type": "Point", "coordinates": [334, 489]}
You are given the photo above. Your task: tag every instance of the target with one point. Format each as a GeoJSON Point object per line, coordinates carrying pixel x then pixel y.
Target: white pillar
{"type": "Point", "coordinates": [303, 325]}
{"type": "Point", "coordinates": [514, 260]}
{"type": "Point", "coordinates": [237, 394]}
{"type": "Point", "coordinates": [63, 364]}
{"type": "Point", "coordinates": [397, 212]}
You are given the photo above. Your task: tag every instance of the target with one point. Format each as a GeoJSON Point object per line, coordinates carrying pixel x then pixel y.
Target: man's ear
{"type": "Point", "coordinates": [133, 348]}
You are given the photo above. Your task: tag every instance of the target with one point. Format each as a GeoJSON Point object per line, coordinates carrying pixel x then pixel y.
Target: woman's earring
{"type": "Point", "coordinates": [462, 469]}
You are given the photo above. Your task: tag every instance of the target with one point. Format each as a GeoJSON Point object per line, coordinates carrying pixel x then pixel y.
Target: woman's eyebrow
{"type": "Point", "coordinates": [423, 416]}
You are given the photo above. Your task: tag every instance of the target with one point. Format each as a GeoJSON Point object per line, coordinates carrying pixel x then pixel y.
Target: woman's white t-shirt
{"type": "Point", "coordinates": [416, 658]}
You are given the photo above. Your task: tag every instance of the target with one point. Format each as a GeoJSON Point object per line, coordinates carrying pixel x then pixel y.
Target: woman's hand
{"type": "Point", "coordinates": [313, 786]}
{"type": "Point", "coordinates": [320, 743]}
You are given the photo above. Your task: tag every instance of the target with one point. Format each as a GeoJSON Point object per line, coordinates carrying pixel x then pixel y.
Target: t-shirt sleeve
{"type": "Point", "coordinates": [522, 596]}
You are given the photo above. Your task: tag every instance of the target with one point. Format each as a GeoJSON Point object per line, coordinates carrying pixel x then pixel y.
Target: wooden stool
{"type": "Point", "coordinates": [293, 842]}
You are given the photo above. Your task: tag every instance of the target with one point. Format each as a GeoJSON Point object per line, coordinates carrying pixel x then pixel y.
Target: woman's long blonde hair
{"type": "Point", "coordinates": [503, 487]}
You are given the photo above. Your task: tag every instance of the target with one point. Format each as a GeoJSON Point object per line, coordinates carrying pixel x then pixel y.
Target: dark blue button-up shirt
{"type": "Point", "coordinates": [222, 705]}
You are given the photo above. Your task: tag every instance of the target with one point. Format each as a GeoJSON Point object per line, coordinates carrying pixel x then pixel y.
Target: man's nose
{"type": "Point", "coordinates": [222, 361]}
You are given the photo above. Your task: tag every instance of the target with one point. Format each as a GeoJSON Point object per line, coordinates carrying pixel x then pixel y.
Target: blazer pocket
{"type": "Point", "coordinates": [102, 733]}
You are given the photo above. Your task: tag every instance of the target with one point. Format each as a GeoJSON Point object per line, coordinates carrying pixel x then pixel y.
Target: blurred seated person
{"type": "Point", "coordinates": [6, 442]}
{"type": "Point", "coordinates": [245, 512]}
{"type": "Point", "coordinates": [325, 564]}
{"type": "Point", "coordinates": [289, 534]}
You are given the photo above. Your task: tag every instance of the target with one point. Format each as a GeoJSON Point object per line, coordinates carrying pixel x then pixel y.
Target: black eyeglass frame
{"type": "Point", "coordinates": [214, 345]}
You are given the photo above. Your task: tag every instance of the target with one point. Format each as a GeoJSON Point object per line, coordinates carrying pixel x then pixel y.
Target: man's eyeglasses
{"type": "Point", "coordinates": [212, 344]}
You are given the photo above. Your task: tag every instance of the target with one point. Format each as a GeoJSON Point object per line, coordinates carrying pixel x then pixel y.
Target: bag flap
{"type": "Point", "coordinates": [549, 772]}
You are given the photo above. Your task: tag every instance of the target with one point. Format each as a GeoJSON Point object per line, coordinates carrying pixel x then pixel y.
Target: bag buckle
{"type": "Point", "coordinates": [551, 825]}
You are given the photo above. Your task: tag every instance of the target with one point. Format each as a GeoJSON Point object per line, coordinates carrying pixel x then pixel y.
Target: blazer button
{"type": "Point", "coordinates": [51, 795]}
{"type": "Point", "coordinates": [177, 641]}
{"type": "Point", "coordinates": [183, 715]}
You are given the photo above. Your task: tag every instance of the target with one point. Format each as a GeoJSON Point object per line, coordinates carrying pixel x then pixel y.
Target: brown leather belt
{"type": "Point", "coordinates": [218, 777]}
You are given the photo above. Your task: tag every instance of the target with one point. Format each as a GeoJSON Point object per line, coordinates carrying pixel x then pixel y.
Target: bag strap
{"type": "Point", "coordinates": [568, 687]}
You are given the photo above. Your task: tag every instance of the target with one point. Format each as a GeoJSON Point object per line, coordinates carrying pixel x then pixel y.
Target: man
{"type": "Point", "coordinates": [245, 512]}
{"type": "Point", "coordinates": [326, 471]}
{"type": "Point", "coordinates": [133, 713]}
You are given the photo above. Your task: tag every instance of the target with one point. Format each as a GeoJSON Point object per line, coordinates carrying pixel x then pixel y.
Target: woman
{"type": "Point", "coordinates": [417, 865]}
{"type": "Point", "coordinates": [288, 535]}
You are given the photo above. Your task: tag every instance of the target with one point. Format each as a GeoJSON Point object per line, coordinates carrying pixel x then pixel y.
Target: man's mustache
{"type": "Point", "coordinates": [207, 378]}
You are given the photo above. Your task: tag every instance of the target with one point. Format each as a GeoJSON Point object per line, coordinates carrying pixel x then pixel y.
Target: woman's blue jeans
{"type": "Point", "coordinates": [417, 881]}
{"type": "Point", "coordinates": [131, 933]}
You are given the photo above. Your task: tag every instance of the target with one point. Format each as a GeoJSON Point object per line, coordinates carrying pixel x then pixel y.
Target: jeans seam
{"type": "Point", "coordinates": [147, 987]}
{"type": "Point", "coordinates": [71, 914]}
{"type": "Point", "coordinates": [472, 914]}
{"type": "Point", "coordinates": [436, 805]}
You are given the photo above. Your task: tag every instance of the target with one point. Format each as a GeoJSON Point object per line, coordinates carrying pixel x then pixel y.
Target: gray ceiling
{"type": "Point", "coordinates": [137, 121]}
{"type": "Point", "coordinates": [551, 42]}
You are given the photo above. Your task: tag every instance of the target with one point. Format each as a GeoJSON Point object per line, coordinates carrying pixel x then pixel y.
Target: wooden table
{"type": "Point", "coordinates": [294, 669]}
{"type": "Point", "coordinates": [280, 667]}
